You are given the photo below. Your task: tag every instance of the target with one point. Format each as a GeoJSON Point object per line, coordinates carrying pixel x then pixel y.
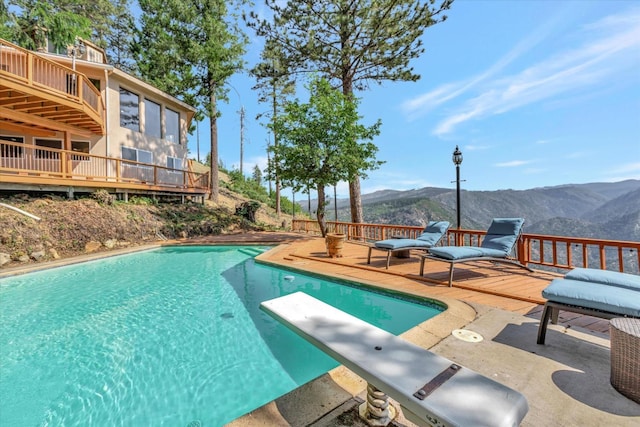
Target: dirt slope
{"type": "Point", "coordinates": [73, 227]}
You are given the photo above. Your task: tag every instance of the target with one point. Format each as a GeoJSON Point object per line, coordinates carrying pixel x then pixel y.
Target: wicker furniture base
{"type": "Point", "coordinates": [625, 356]}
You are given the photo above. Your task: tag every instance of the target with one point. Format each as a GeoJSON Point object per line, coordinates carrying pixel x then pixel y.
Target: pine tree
{"type": "Point", "coordinates": [118, 39]}
{"type": "Point", "coordinates": [275, 86]}
{"type": "Point", "coordinates": [35, 21]}
{"type": "Point", "coordinates": [352, 43]}
{"type": "Point", "coordinates": [190, 48]}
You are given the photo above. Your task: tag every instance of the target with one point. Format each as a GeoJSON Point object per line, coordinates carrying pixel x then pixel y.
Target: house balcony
{"type": "Point", "coordinates": [28, 167]}
{"type": "Point", "coordinates": [39, 96]}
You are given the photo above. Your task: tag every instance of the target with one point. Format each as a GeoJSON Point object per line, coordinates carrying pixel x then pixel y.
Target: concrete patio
{"type": "Point", "coordinates": [566, 381]}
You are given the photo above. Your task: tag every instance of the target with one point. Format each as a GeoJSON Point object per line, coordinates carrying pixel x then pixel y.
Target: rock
{"type": "Point", "coordinates": [110, 244]}
{"type": "Point", "coordinates": [124, 244]}
{"type": "Point", "coordinates": [37, 255]}
{"type": "Point", "coordinates": [92, 246]}
{"type": "Point", "coordinates": [23, 258]}
{"type": "Point", "coordinates": [53, 253]}
{"type": "Point", "coordinates": [4, 258]}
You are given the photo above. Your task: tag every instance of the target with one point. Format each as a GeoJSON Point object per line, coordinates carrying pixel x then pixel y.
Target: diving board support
{"type": "Point", "coordinates": [399, 368]}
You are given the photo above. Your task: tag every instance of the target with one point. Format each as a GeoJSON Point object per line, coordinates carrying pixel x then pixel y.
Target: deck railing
{"type": "Point", "coordinates": [556, 252]}
{"type": "Point", "coordinates": [34, 70]}
{"type": "Point", "coordinates": [32, 163]}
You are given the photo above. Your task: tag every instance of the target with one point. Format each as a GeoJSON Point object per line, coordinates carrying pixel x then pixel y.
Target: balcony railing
{"type": "Point", "coordinates": [555, 252]}
{"type": "Point", "coordinates": [22, 163]}
{"type": "Point", "coordinates": [47, 76]}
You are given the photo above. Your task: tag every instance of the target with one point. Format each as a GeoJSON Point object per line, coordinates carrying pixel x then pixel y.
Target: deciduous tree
{"type": "Point", "coordinates": [322, 143]}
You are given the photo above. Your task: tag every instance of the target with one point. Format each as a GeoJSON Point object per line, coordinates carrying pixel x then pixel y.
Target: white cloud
{"type": "Point", "coordinates": [612, 50]}
{"type": "Point", "coordinates": [251, 163]}
{"type": "Point", "coordinates": [627, 168]}
{"type": "Point", "coordinates": [472, 147]}
{"type": "Point", "coordinates": [512, 164]}
{"type": "Point", "coordinates": [422, 104]}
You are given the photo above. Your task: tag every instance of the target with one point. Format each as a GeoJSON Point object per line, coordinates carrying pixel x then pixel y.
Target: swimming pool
{"type": "Point", "coordinates": [171, 336]}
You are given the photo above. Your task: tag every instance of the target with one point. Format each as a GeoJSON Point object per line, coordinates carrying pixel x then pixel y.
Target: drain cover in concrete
{"type": "Point", "coordinates": [467, 335]}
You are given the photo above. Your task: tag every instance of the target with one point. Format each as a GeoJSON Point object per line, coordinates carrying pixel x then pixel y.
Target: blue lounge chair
{"type": "Point", "coordinates": [599, 293]}
{"type": "Point", "coordinates": [433, 232]}
{"type": "Point", "coordinates": [497, 245]}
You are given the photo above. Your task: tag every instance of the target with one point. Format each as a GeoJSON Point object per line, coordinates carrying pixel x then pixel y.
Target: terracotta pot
{"type": "Point", "coordinates": [335, 243]}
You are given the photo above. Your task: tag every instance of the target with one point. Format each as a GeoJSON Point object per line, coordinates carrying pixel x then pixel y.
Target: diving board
{"type": "Point", "coordinates": [451, 395]}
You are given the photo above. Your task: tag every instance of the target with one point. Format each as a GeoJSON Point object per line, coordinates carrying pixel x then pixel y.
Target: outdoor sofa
{"type": "Point", "coordinates": [600, 293]}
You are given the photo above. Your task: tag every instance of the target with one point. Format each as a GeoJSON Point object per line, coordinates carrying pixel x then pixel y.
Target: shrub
{"type": "Point", "coordinates": [103, 197]}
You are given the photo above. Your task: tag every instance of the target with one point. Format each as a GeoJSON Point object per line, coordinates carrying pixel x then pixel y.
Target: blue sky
{"type": "Point", "coordinates": [534, 92]}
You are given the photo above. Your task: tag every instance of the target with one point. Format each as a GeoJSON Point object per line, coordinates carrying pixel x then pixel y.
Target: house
{"type": "Point", "coordinates": [74, 123]}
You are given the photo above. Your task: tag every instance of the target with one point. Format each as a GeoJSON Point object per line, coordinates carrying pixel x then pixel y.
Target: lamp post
{"type": "Point", "coordinates": [457, 159]}
{"type": "Point", "coordinates": [77, 50]}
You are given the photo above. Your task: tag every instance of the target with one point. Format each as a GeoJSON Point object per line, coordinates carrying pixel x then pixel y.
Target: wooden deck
{"type": "Point", "coordinates": [495, 285]}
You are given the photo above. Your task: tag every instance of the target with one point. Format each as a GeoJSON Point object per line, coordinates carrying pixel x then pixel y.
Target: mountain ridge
{"type": "Point", "coordinates": [605, 210]}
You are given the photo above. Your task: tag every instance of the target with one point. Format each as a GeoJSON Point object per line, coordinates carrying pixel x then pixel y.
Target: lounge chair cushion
{"type": "Point", "coordinates": [436, 227]}
{"type": "Point", "coordinates": [395, 244]}
{"type": "Point", "coordinates": [465, 252]}
{"type": "Point", "coordinates": [456, 252]}
{"type": "Point", "coordinates": [502, 234]}
{"type": "Point", "coordinates": [597, 296]}
{"type": "Point", "coordinates": [431, 235]}
{"type": "Point", "coordinates": [612, 278]}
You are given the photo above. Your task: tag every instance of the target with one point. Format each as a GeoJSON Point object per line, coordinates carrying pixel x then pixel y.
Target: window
{"type": "Point", "coordinates": [129, 110]}
{"type": "Point", "coordinates": [80, 147]}
{"type": "Point", "coordinates": [172, 120]}
{"type": "Point", "coordinates": [152, 119]}
{"type": "Point", "coordinates": [11, 150]}
{"type": "Point", "coordinates": [95, 82]}
{"type": "Point", "coordinates": [135, 171]}
{"type": "Point", "coordinates": [48, 143]}
{"type": "Point", "coordinates": [136, 155]}
{"type": "Point", "coordinates": [174, 163]}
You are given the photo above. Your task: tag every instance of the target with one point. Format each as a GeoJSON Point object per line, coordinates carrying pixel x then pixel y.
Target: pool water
{"type": "Point", "coordinates": [172, 336]}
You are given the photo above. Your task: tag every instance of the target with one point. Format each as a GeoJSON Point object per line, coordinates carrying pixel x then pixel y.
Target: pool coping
{"type": "Point", "coordinates": [313, 400]}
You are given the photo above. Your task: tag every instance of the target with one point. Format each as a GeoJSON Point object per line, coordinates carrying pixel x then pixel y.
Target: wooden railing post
{"type": "Point", "coordinates": [29, 69]}
{"type": "Point", "coordinates": [79, 88]}
{"type": "Point", "coordinates": [520, 249]}
{"type": "Point", "coordinates": [64, 163]}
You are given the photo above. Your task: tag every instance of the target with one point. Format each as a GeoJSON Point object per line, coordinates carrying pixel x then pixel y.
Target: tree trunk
{"type": "Point", "coordinates": [355, 200]}
{"type": "Point", "coordinates": [275, 157]}
{"type": "Point", "coordinates": [320, 211]}
{"type": "Point", "coordinates": [214, 146]}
